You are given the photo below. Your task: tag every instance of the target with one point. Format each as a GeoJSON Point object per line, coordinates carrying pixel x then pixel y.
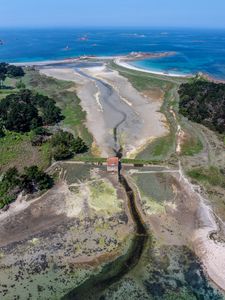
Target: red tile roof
{"type": "Point", "coordinates": [113, 161]}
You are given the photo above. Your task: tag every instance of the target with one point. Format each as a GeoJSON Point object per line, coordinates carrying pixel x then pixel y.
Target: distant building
{"type": "Point", "coordinates": [113, 164]}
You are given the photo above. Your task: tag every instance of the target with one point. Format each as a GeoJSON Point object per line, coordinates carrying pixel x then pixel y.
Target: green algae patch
{"type": "Point", "coordinates": [103, 197]}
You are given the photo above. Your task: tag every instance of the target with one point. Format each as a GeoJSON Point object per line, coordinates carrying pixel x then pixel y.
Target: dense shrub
{"type": "Point", "coordinates": [204, 102]}
{"type": "Point", "coordinates": [32, 180]}
{"type": "Point", "coordinates": [10, 71]}
{"type": "Point", "coordinates": [24, 111]}
{"type": "Point", "coordinates": [65, 145]}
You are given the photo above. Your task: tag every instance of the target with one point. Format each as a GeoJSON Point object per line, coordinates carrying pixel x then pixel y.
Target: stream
{"type": "Point", "coordinates": [109, 97]}
{"type": "Point", "coordinates": [114, 271]}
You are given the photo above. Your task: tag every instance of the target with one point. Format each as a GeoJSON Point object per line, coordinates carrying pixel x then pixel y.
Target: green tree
{"type": "Point", "coordinates": [24, 111]}
{"type": "Point", "coordinates": [2, 125]}
{"type": "Point", "coordinates": [9, 186]}
{"type": "Point", "coordinates": [79, 146]}
{"type": "Point", "coordinates": [62, 137]}
{"type": "Point", "coordinates": [9, 70]}
{"type": "Point", "coordinates": [34, 180]}
{"type": "Point", "coordinates": [11, 177]}
{"type": "Point", "coordinates": [61, 152]}
{"type": "Point", "coordinates": [203, 102]}
{"type": "Point", "coordinates": [15, 71]}
{"type": "Point", "coordinates": [50, 113]}
{"type": "Point", "coordinates": [2, 78]}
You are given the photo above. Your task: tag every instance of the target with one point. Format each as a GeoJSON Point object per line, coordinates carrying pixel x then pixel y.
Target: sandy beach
{"type": "Point", "coordinates": [120, 62]}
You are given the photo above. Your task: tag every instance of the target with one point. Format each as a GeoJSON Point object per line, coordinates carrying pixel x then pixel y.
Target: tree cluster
{"type": "Point", "coordinates": [203, 102]}
{"type": "Point", "coordinates": [30, 181]}
{"type": "Point", "coordinates": [65, 145]}
{"type": "Point", "coordinates": [10, 71]}
{"type": "Point", "coordinates": [24, 111]}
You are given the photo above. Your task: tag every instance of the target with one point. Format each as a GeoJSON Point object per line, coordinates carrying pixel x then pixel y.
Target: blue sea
{"type": "Point", "coordinates": [196, 50]}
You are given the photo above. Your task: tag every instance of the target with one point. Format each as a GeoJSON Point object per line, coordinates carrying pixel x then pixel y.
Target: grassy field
{"type": "Point", "coordinates": [208, 176]}
{"type": "Point", "coordinates": [191, 146]}
{"type": "Point", "coordinates": [15, 148]}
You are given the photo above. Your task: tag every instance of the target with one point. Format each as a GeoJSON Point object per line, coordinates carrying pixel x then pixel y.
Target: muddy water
{"type": "Point", "coordinates": [116, 270]}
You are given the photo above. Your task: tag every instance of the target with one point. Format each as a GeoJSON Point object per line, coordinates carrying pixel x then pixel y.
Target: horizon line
{"type": "Point", "coordinates": [102, 27]}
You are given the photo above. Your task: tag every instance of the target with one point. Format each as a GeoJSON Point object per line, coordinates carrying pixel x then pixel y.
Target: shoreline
{"type": "Point", "coordinates": [120, 60]}
{"type": "Point", "coordinates": [126, 65]}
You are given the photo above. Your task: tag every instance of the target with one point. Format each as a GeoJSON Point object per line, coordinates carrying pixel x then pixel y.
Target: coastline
{"type": "Point", "coordinates": [126, 65]}
{"type": "Point", "coordinates": [120, 60]}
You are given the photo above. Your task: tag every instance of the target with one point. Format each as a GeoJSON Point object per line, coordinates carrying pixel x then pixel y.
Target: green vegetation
{"type": "Point", "coordinates": [25, 110]}
{"type": "Point", "coordinates": [204, 102]}
{"type": "Point", "coordinates": [64, 94]}
{"type": "Point", "coordinates": [31, 181]}
{"type": "Point", "coordinates": [65, 145]}
{"type": "Point", "coordinates": [191, 146]}
{"type": "Point", "coordinates": [159, 149]}
{"type": "Point", "coordinates": [147, 81]}
{"type": "Point", "coordinates": [16, 150]}
{"type": "Point", "coordinates": [11, 146]}
{"type": "Point", "coordinates": [34, 180]}
{"type": "Point", "coordinates": [211, 175]}
{"type": "Point", "coordinates": [104, 196]}
{"type": "Point", "coordinates": [7, 70]}
{"type": "Point", "coordinates": [39, 135]}
{"type": "Point", "coordinates": [9, 187]}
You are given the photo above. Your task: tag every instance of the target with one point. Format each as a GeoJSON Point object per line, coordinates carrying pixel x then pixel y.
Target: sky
{"type": "Point", "coordinates": [113, 13]}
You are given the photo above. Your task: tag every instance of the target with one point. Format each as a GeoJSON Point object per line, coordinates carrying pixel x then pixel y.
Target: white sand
{"type": "Point", "coordinates": [210, 252]}
{"type": "Point", "coordinates": [118, 61]}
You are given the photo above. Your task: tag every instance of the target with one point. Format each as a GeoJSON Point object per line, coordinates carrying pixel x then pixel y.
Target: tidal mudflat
{"type": "Point", "coordinates": [113, 104]}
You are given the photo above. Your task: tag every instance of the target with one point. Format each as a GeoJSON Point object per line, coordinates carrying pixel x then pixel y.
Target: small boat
{"type": "Point", "coordinates": [1, 42]}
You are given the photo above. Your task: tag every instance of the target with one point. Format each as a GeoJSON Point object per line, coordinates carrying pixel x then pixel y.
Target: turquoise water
{"type": "Point", "coordinates": [197, 50]}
